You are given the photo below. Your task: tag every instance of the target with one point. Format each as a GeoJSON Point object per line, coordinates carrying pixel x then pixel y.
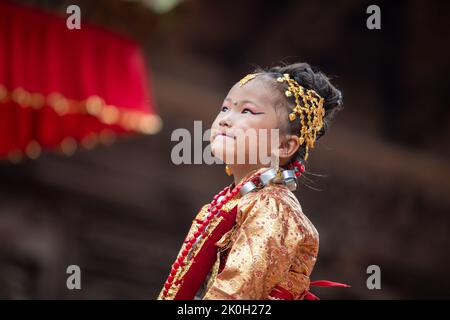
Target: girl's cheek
{"type": "Point", "coordinates": [212, 133]}
{"type": "Point", "coordinates": [265, 142]}
{"type": "Point", "coordinates": [215, 122]}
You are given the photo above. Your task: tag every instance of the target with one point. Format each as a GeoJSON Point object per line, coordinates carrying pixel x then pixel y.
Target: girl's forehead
{"type": "Point", "coordinates": [257, 90]}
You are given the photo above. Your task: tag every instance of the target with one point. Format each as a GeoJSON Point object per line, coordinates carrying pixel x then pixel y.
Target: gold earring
{"type": "Point", "coordinates": [228, 170]}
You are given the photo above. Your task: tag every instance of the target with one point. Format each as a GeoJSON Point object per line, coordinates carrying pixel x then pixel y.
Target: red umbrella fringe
{"type": "Point", "coordinates": [94, 106]}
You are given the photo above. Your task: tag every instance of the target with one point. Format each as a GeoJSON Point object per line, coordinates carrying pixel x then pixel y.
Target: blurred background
{"type": "Point", "coordinates": [86, 117]}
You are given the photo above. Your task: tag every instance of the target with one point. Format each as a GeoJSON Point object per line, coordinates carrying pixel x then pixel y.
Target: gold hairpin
{"type": "Point", "coordinates": [247, 78]}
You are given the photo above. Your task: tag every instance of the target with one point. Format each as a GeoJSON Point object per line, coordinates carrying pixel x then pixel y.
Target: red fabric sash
{"type": "Point", "coordinates": [205, 258]}
{"type": "Point", "coordinates": [283, 294]}
{"type": "Point", "coordinates": [323, 283]}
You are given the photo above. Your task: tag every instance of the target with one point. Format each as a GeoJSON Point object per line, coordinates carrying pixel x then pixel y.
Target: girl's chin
{"type": "Point", "coordinates": [225, 154]}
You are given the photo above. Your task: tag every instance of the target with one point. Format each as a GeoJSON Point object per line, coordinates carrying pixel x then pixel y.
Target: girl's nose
{"type": "Point", "coordinates": [225, 122]}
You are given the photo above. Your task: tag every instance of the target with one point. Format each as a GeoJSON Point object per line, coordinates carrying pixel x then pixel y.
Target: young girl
{"type": "Point", "coordinates": [253, 240]}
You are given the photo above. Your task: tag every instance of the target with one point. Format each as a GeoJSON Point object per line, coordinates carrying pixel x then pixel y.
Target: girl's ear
{"type": "Point", "coordinates": [288, 146]}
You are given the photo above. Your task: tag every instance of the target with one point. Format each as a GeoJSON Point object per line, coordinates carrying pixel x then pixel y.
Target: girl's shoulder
{"type": "Point", "coordinates": [277, 202]}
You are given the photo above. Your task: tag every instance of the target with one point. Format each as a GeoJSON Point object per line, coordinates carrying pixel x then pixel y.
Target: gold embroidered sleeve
{"type": "Point", "coordinates": [271, 247]}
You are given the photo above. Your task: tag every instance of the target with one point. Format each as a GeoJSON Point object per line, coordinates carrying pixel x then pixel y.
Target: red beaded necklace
{"type": "Point", "coordinates": [213, 208]}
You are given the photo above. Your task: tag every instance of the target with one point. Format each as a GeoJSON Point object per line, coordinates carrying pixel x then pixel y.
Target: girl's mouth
{"type": "Point", "coordinates": [224, 134]}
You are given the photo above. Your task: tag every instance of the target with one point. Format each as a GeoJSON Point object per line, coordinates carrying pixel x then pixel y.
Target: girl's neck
{"type": "Point", "coordinates": [241, 171]}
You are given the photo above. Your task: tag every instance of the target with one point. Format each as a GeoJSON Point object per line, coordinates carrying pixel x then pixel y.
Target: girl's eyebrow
{"type": "Point", "coordinates": [243, 101]}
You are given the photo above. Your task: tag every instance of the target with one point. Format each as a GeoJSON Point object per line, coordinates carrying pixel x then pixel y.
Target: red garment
{"type": "Point", "coordinates": [260, 247]}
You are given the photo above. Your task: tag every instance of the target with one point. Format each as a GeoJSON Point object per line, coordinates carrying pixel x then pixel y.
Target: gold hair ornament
{"type": "Point", "coordinates": [247, 78]}
{"type": "Point", "coordinates": [310, 112]}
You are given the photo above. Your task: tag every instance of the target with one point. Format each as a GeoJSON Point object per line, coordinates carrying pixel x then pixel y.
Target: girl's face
{"type": "Point", "coordinates": [245, 111]}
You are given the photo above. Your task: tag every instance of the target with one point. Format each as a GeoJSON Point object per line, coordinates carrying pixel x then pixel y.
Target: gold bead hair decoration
{"type": "Point", "coordinates": [311, 112]}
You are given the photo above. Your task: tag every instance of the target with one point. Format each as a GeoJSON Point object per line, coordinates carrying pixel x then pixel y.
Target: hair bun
{"type": "Point", "coordinates": [315, 80]}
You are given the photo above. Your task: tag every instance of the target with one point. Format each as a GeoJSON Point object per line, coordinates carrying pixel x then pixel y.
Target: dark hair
{"type": "Point", "coordinates": [308, 78]}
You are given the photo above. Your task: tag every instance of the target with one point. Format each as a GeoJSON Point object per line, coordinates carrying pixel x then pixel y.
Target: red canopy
{"type": "Point", "coordinates": [60, 87]}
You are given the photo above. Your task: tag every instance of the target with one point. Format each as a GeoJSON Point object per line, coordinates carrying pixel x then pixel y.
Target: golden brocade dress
{"type": "Point", "coordinates": [269, 251]}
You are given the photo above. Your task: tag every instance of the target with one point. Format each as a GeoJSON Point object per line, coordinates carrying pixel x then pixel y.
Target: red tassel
{"type": "Point", "coordinates": [326, 283]}
{"type": "Point", "coordinates": [322, 283]}
{"type": "Point", "coordinates": [310, 296]}
{"type": "Point", "coordinates": [281, 293]}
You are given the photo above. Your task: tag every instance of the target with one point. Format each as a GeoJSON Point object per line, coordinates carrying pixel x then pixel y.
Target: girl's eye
{"type": "Point", "coordinates": [223, 109]}
{"type": "Point", "coordinates": [246, 110]}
